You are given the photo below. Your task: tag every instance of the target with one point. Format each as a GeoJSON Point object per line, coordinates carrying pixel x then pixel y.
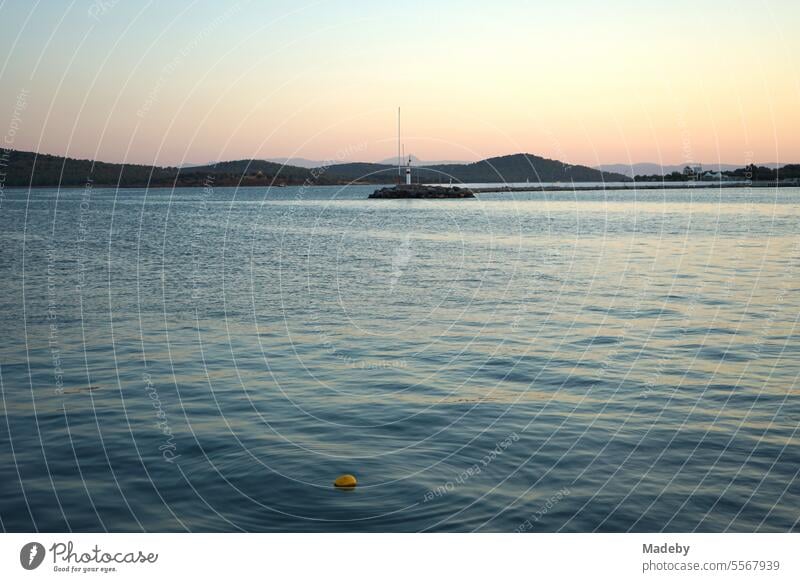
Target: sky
{"type": "Point", "coordinates": [581, 81]}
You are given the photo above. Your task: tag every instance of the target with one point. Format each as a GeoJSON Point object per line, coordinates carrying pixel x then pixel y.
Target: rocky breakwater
{"type": "Point", "coordinates": [414, 191]}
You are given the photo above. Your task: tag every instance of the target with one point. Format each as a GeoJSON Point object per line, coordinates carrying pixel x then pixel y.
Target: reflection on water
{"type": "Point", "coordinates": [198, 360]}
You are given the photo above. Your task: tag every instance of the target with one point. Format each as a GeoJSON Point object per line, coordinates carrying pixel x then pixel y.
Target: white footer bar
{"type": "Point", "coordinates": [370, 557]}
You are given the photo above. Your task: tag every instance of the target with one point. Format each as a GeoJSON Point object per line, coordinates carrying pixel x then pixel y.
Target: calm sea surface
{"type": "Point", "coordinates": [211, 359]}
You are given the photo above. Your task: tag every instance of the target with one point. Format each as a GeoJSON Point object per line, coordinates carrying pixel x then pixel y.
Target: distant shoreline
{"type": "Point", "coordinates": [632, 186]}
{"type": "Point", "coordinates": [637, 186]}
{"type": "Point", "coordinates": [511, 173]}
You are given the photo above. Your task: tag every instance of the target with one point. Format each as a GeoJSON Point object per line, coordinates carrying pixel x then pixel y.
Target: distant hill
{"type": "Point", "coordinates": [27, 168]}
{"type": "Point", "coordinates": [299, 162]}
{"type": "Point", "coordinates": [56, 170]}
{"type": "Point", "coordinates": [363, 172]}
{"type": "Point", "coordinates": [17, 169]}
{"type": "Point", "coordinates": [512, 168]}
{"type": "Point", "coordinates": [526, 167]}
{"type": "Point", "coordinates": [240, 168]}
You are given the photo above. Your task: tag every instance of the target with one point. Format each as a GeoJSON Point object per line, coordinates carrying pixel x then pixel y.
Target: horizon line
{"type": "Point", "coordinates": [331, 162]}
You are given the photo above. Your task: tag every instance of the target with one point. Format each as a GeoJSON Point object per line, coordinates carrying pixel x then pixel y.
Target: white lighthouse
{"type": "Point", "coordinates": [401, 154]}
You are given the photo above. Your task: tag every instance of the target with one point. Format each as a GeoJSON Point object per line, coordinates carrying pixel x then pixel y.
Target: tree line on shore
{"type": "Point", "coordinates": [749, 173]}
{"type": "Point", "coordinates": [28, 169]}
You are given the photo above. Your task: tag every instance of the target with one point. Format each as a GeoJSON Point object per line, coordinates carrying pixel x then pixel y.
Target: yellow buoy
{"type": "Point", "coordinates": [345, 481]}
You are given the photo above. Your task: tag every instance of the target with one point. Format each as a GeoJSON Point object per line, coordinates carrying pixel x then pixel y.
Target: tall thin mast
{"type": "Point", "coordinates": [399, 157]}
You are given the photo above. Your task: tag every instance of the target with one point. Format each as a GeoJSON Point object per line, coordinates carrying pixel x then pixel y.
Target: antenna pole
{"type": "Point", "coordinates": [399, 157]}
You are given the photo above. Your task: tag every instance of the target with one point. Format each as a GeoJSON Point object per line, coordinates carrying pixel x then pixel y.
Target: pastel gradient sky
{"type": "Point", "coordinates": [581, 81]}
